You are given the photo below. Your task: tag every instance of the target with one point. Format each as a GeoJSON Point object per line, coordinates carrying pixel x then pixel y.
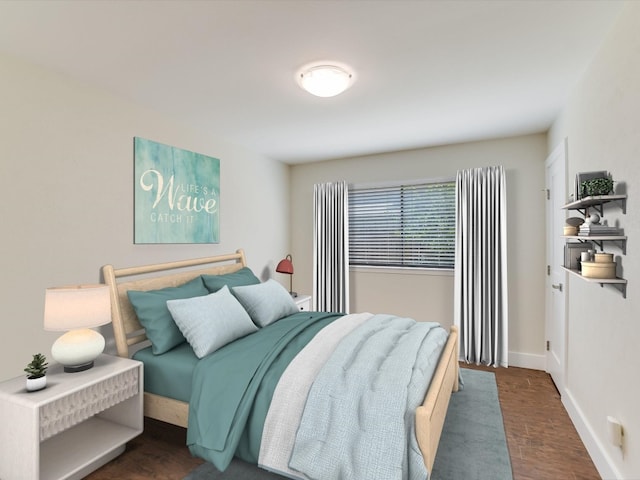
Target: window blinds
{"type": "Point", "coordinates": [403, 225]}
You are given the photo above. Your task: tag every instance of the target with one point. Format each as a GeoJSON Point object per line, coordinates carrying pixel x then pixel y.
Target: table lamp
{"type": "Point", "coordinates": [77, 309]}
{"type": "Point", "coordinates": [286, 266]}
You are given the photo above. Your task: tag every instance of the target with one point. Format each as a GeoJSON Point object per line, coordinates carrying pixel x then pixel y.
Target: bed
{"type": "Point", "coordinates": [131, 339]}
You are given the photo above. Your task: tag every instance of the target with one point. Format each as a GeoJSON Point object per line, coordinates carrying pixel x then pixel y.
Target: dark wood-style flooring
{"type": "Point", "coordinates": [543, 443]}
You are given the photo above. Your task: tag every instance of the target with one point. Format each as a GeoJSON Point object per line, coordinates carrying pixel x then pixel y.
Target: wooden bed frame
{"type": "Point", "coordinates": [130, 336]}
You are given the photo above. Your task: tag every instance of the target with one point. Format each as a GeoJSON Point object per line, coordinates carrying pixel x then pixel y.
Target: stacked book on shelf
{"type": "Point", "coordinates": [587, 229]}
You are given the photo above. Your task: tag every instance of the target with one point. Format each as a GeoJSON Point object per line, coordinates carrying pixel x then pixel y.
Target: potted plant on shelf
{"type": "Point", "coordinates": [37, 373]}
{"type": "Point", "coordinates": [597, 186]}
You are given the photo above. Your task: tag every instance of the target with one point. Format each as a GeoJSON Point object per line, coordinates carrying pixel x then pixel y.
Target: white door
{"type": "Point", "coordinates": [556, 317]}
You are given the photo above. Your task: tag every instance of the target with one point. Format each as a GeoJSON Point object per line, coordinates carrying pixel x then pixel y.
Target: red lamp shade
{"type": "Point", "coordinates": [286, 266]}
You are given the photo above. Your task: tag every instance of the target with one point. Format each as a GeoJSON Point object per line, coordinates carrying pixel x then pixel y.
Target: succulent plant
{"type": "Point", "coordinates": [37, 367]}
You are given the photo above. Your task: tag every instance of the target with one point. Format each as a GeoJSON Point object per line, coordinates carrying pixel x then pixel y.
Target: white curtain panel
{"type": "Point", "coordinates": [331, 247]}
{"type": "Point", "coordinates": [481, 300]}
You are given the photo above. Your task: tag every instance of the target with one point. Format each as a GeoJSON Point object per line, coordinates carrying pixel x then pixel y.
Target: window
{"type": "Point", "coordinates": [409, 225]}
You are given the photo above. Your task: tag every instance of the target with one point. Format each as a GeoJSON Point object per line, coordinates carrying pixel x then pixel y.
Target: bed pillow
{"type": "Point", "coordinates": [151, 309]}
{"type": "Point", "coordinates": [244, 276]}
{"type": "Point", "coordinates": [210, 322]}
{"type": "Point", "coordinates": [266, 302]}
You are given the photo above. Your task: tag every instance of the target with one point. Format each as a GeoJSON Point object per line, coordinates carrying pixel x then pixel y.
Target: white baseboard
{"type": "Point", "coordinates": [527, 360]}
{"type": "Point", "coordinates": [524, 360]}
{"type": "Point", "coordinates": [601, 459]}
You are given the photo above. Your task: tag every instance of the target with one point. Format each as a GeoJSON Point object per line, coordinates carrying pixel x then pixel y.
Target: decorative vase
{"type": "Point", "coordinates": [35, 384]}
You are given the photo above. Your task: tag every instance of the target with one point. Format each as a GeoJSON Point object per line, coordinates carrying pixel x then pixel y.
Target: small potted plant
{"type": "Point", "coordinates": [37, 373]}
{"type": "Point", "coordinates": [597, 186]}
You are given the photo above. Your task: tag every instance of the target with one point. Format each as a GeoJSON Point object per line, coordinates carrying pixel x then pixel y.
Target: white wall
{"type": "Point", "coordinates": [601, 121]}
{"type": "Point", "coordinates": [430, 297]}
{"type": "Point", "coordinates": [66, 206]}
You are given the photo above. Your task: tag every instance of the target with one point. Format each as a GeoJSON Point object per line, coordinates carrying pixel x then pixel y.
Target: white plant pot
{"type": "Point", "coordinates": [34, 384]}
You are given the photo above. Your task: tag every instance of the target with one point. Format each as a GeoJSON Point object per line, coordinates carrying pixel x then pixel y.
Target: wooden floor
{"type": "Point", "coordinates": [543, 444]}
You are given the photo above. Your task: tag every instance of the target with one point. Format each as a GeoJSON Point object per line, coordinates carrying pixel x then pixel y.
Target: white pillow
{"type": "Point", "coordinates": [266, 302]}
{"type": "Point", "coordinates": [210, 322]}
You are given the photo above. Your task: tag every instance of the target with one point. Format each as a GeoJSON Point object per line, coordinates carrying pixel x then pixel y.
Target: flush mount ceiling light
{"type": "Point", "coordinates": [325, 79]}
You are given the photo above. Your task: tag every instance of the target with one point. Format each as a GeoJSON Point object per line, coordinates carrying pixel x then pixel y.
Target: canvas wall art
{"type": "Point", "coordinates": [176, 195]}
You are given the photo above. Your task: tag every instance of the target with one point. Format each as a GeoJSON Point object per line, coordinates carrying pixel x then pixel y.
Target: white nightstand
{"type": "Point", "coordinates": [77, 424]}
{"type": "Point", "coordinates": [303, 302]}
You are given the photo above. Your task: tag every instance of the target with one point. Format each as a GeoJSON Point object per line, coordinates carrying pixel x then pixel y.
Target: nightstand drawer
{"type": "Point", "coordinates": [75, 408]}
{"type": "Point", "coordinates": [303, 302]}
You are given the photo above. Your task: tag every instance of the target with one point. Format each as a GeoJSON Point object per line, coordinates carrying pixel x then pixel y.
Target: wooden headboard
{"type": "Point", "coordinates": [127, 330]}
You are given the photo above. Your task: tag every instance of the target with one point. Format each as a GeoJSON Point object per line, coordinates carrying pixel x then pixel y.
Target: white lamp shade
{"type": "Point", "coordinates": [82, 306]}
{"type": "Point", "coordinates": [325, 80]}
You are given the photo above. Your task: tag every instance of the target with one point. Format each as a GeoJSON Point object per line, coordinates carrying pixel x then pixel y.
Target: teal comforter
{"type": "Point", "coordinates": [233, 388]}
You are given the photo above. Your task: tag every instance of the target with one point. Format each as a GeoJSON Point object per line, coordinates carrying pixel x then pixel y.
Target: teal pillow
{"type": "Point", "coordinates": [244, 276]}
{"type": "Point", "coordinates": [151, 309]}
{"type": "Point", "coordinates": [210, 322]}
{"type": "Point", "coordinates": [266, 302]}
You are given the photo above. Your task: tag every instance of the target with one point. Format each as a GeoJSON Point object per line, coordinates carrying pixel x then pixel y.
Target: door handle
{"type": "Point", "coordinates": [557, 287]}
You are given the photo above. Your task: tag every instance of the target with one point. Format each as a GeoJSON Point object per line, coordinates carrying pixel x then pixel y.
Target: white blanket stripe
{"type": "Point", "coordinates": [290, 396]}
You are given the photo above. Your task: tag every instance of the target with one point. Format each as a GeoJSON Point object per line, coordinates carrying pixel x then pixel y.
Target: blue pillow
{"type": "Point", "coordinates": [244, 276]}
{"type": "Point", "coordinates": [153, 314]}
{"type": "Point", "coordinates": [210, 322]}
{"type": "Point", "coordinates": [266, 302]}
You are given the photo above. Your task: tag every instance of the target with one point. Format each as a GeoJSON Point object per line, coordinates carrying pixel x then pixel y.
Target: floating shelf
{"type": "Point", "coordinates": [600, 239]}
{"type": "Point", "coordinates": [619, 283]}
{"type": "Point", "coordinates": [596, 201]}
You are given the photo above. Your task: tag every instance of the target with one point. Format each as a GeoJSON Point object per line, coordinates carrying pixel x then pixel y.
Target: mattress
{"type": "Point", "coordinates": [170, 374]}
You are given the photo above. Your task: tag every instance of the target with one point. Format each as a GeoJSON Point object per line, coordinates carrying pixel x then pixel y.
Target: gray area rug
{"type": "Point", "coordinates": [473, 445]}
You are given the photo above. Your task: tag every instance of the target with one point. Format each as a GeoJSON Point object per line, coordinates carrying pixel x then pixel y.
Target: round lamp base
{"type": "Point", "coordinates": [76, 350]}
{"type": "Point", "coordinates": [78, 368]}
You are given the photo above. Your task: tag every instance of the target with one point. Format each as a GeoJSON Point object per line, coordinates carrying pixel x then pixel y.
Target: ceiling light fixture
{"type": "Point", "coordinates": [325, 79]}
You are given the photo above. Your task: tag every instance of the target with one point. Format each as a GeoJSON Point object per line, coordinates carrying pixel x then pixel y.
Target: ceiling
{"type": "Point", "coordinates": [428, 72]}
